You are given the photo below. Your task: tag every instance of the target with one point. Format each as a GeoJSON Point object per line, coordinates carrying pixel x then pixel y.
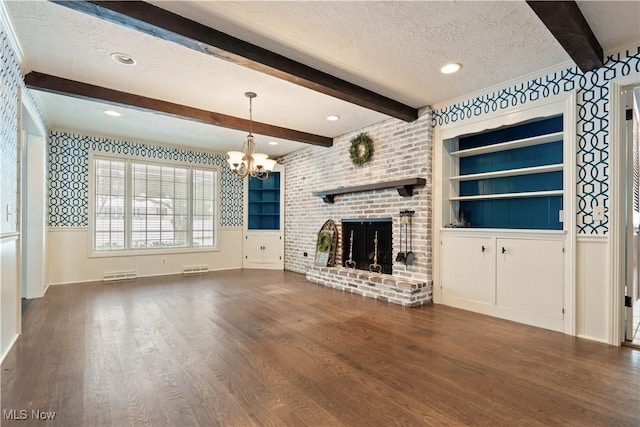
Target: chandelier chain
{"type": "Point", "coordinates": [248, 162]}
{"type": "Point", "coordinates": [250, 115]}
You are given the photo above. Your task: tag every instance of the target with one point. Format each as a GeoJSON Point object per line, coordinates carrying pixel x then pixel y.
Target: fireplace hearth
{"type": "Point", "coordinates": [363, 245]}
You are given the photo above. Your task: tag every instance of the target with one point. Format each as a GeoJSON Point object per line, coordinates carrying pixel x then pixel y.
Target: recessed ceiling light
{"type": "Point", "coordinates": [333, 118]}
{"type": "Point", "coordinates": [450, 68]}
{"type": "Point", "coordinates": [123, 58]}
{"type": "Point", "coordinates": [112, 113]}
{"type": "Point", "coordinates": [273, 143]}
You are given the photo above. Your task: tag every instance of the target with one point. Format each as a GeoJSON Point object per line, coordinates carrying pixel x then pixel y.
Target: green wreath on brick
{"type": "Point", "coordinates": [361, 149]}
{"type": "Point", "coordinates": [324, 241]}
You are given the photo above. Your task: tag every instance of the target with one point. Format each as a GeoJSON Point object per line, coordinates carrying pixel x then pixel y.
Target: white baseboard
{"type": "Point", "coordinates": [177, 273]}
{"type": "Point", "coordinates": [587, 337]}
{"type": "Point", "coordinates": [9, 348]}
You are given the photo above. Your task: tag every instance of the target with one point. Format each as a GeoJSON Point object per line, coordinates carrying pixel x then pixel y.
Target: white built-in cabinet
{"type": "Point", "coordinates": [263, 250]}
{"type": "Point", "coordinates": [514, 277]}
{"type": "Point", "coordinates": [263, 240]}
{"type": "Point", "coordinates": [504, 215]}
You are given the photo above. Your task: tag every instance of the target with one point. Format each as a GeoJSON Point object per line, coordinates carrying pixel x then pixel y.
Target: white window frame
{"type": "Point", "coordinates": [128, 251]}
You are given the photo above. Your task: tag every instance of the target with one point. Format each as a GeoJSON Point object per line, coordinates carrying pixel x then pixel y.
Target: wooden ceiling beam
{"type": "Point", "coordinates": [152, 20]}
{"type": "Point", "coordinates": [570, 28]}
{"type": "Point", "coordinates": [75, 89]}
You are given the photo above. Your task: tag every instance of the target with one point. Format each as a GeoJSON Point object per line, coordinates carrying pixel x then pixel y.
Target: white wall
{"type": "Point", "coordinates": [9, 298]}
{"type": "Point", "coordinates": [69, 260]}
{"type": "Point", "coordinates": [592, 288]}
{"type": "Point", "coordinates": [34, 216]}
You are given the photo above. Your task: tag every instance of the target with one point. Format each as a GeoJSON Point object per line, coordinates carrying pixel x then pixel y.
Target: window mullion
{"type": "Point", "coordinates": [190, 206]}
{"type": "Point", "coordinates": [128, 192]}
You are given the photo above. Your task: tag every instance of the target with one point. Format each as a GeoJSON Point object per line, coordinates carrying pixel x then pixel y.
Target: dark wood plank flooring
{"type": "Point", "coordinates": [244, 348]}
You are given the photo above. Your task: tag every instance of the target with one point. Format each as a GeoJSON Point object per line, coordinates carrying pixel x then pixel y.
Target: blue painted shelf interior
{"type": "Point", "coordinates": [509, 160]}
{"type": "Point", "coordinates": [264, 203]}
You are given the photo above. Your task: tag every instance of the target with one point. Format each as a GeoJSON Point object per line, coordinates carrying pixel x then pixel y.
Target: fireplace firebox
{"type": "Point", "coordinates": [363, 245]}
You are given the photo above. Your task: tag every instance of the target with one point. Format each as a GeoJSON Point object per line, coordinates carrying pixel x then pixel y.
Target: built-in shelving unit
{"type": "Point", "coordinates": [508, 172]}
{"type": "Point", "coordinates": [263, 242]}
{"type": "Point", "coordinates": [510, 195]}
{"type": "Point", "coordinates": [504, 214]}
{"type": "Point", "coordinates": [509, 145]}
{"type": "Point", "coordinates": [510, 177]}
{"type": "Point", "coordinates": [264, 203]}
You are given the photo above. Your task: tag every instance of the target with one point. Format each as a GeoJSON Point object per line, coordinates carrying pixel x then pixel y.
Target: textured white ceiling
{"type": "Point", "coordinates": [393, 48]}
{"type": "Point", "coordinates": [616, 24]}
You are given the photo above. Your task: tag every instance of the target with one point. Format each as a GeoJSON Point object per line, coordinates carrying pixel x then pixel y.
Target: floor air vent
{"type": "Point", "coordinates": [195, 269]}
{"type": "Point", "coordinates": [118, 275]}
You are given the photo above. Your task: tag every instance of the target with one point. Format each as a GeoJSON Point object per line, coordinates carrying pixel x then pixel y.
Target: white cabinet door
{"type": "Point", "coordinates": [467, 271]}
{"type": "Point", "coordinates": [529, 281]}
{"type": "Point", "coordinates": [273, 252]}
{"type": "Point", "coordinates": [263, 250]}
{"type": "Point", "coordinates": [252, 248]}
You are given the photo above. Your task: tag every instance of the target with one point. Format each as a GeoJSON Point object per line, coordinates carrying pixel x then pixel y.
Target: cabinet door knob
{"type": "Point", "coordinates": [503, 250]}
{"type": "Point", "coordinates": [483, 248]}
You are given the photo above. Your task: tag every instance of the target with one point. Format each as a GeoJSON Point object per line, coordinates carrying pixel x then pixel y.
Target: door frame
{"type": "Point", "coordinates": [617, 235]}
{"type": "Point", "coordinates": [29, 128]}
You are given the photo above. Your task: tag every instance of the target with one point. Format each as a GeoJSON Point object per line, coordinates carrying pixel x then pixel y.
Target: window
{"type": "Point", "coordinates": [143, 205]}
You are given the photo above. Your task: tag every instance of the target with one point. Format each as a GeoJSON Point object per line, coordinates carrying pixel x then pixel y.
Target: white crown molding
{"type": "Point", "coordinates": [5, 20]}
{"type": "Point", "coordinates": [504, 85]}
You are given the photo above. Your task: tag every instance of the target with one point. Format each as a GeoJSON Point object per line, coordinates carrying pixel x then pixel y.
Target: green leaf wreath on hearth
{"type": "Point", "coordinates": [324, 241]}
{"type": "Point", "coordinates": [361, 149]}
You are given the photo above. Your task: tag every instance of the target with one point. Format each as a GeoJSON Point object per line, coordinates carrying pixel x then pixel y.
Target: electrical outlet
{"type": "Point", "coordinates": [164, 260]}
{"type": "Point", "coordinates": [598, 213]}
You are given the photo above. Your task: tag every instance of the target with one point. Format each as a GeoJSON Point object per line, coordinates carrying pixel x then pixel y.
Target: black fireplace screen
{"type": "Point", "coordinates": [363, 245]}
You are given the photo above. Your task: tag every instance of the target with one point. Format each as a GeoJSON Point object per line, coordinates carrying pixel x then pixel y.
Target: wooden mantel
{"type": "Point", "coordinates": [404, 187]}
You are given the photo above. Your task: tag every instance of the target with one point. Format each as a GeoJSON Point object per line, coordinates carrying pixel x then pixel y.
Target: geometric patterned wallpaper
{"type": "Point", "coordinates": [69, 181]}
{"type": "Point", "coordinates": [10, 80]}
{"type": "Point", "coordinates": [592, 157]}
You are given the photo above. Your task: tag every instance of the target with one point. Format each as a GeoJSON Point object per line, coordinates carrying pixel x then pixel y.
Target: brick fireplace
{"type": "Point", "coordinates": [401, 151]}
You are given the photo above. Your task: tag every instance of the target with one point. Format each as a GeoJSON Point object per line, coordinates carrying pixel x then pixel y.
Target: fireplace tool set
{"type": "Point", "coordinates": [406, 223]}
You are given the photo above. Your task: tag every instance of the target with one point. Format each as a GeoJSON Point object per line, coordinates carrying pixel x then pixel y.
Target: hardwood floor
{"type": "Point", "coordinates": [244, 348]}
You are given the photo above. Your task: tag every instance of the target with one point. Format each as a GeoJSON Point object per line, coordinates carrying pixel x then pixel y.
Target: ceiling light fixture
{"type": "Point", "coordinates": [450, 68]}
{"type": "Point", "coordinates": [112, 113]}
{"type": "Point", "coordinates": [123, 58]}
{"type": "Point", "coordinates": [333, 118]}
{"type": "Point", "coordinates": [273, 143]}
{"type": "Point", "coordinates": [248, 162]}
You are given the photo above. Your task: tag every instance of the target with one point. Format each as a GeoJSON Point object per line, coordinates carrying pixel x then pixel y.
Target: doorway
{"type": "Point", "coordinates": [33, 201]}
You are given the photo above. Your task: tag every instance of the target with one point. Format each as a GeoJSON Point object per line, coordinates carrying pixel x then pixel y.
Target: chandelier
{"type": "Point", "coordinates": [248, 162]}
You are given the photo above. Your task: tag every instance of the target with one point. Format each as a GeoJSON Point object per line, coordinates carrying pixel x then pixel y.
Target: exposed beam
{"type": "Point", "coordinates": [158, 22]}
{"type": "Point", "coordinates": [75, 89]}
{"type": "Point", "coordinates": [568, 26]}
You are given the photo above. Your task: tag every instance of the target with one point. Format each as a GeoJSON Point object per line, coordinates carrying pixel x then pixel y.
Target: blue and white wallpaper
{"type": "Point", "coordinates": [10, 81]}
{"type": "Point", "coordinates": [69, 170]}
{"type": "Point", "coordinates": [592, 158]}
